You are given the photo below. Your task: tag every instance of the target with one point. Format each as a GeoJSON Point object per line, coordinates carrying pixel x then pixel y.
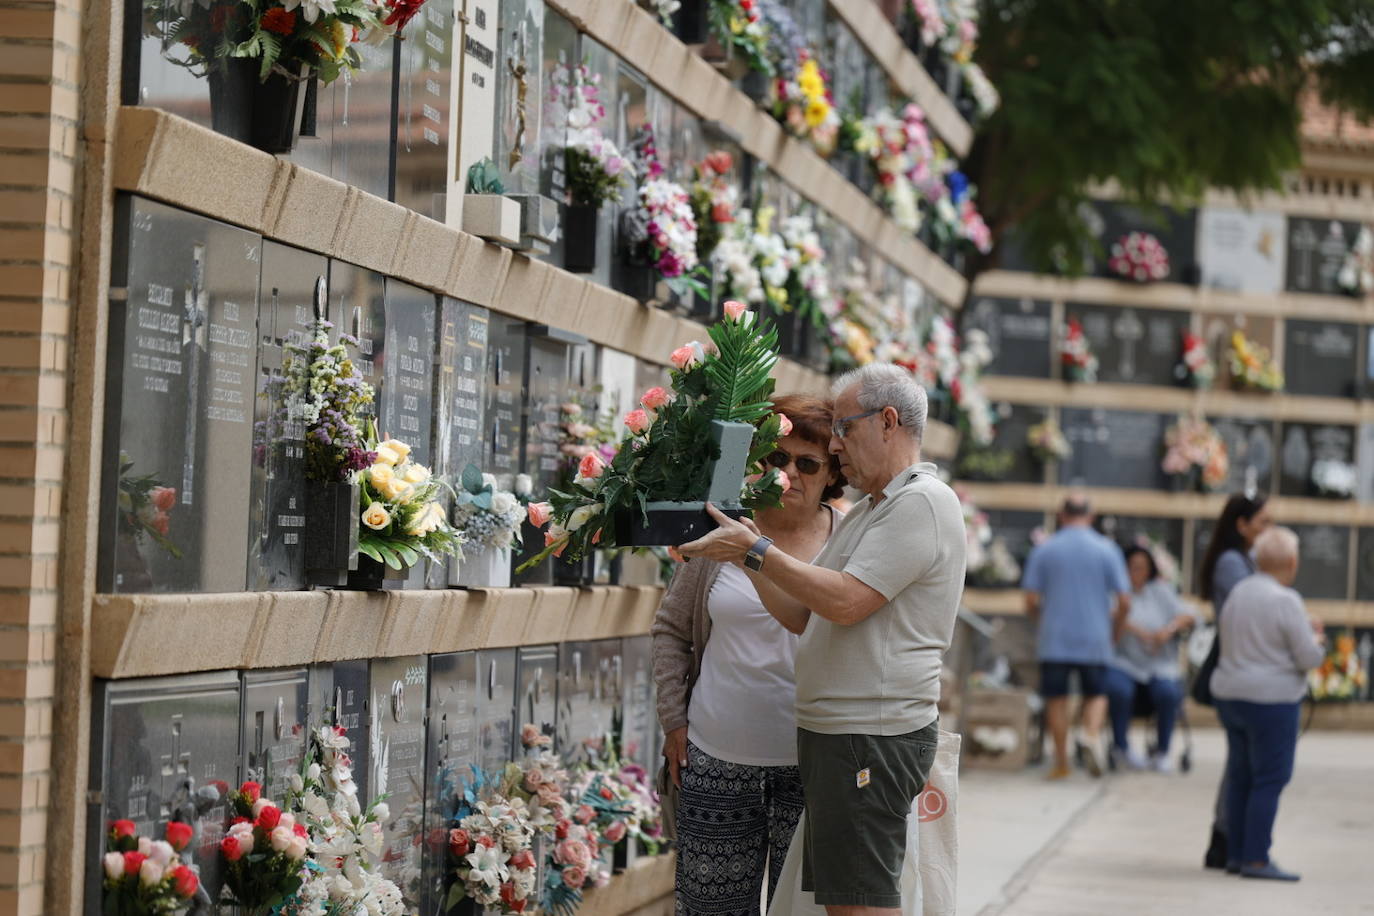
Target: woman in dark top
{"type": "Point", "coordinates": [1226, 562]}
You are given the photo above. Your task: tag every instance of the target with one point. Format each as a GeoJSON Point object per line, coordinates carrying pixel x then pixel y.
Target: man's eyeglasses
{"type": "Point", "coordinates": [805, 463]}
{"type": "Point", "coordinates": [840, 427]}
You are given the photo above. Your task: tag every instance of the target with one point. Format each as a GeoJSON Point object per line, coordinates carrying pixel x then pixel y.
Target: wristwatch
{"type": "Point", "coordinates": [753, 559]}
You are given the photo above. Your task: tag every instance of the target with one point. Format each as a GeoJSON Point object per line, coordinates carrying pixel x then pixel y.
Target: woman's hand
{"type": "Point", "coordinates": [675, 750]}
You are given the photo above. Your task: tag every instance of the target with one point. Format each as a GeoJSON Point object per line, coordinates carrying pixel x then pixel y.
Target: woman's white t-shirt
{"type": "Point", "coordinates": [743, 707]}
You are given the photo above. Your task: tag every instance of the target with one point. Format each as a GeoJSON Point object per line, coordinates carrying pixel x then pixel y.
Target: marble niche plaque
{"type": "Point", "coordinates": [505, 399]}
{"type": "Point", "coordinates": [350, 688]}
{"type": "Point", "coordinates": [357, 306]}
{"type": "Point", "coordinates": [641, 718]}
{"type": "Point", "coordinates": [165, 749]}
{"type": "Point", "coordinates": [273, 727]}
{"type": "Point", "coordinates": [1321, 358]}
{"type": "Point", "coordinates": [1139, 346]}
{"type": "Point", "coordinates": [576, 690]}
{"type": "Point", "coordinates": [1240, 250]}
{"type": "Point", "coordinates": [1323, 561]}
{"type": "Point", "coordinates": [536, 700]}
{"type": "Point", "coordinates": [179, 410]}
{"type": "Point", "coordinates": [396, 760]}
{"type": "Point", "coordinates": [1302, 445]}
{"type": "Point", "coordinates": [407, 397]}
{"type": "Point", "coordinates": [423, 119]}
{"type": "Point", "coordinates": [1251, 451]}
{"type": "Point", "coordinates": [460, 393]}
{"type": "Point", "coordinates": [1364, 570]}
{"type": "Point", "coordinates": [519, 76]}
{"type": "Point", "coordinates": [364, 126]}
{"type": "Point", "coordinates": [475, 138]}
{"type": "Point", "coordinates": [1316, 251]}
{"type": "Point", "coordinates": [291, 281]}
{"type": "Point", "coordinates": [450, 755]}
{"type": "Point", "coordinates": [1020, 333]}
{"type": "Point", "coordinates": [1113, 448]}
{"type": "Point", "coordinates": [495, 709]}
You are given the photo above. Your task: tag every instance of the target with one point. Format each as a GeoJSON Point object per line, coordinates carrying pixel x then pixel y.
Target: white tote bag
{"type": "Point", "coordinates": [930, 869]}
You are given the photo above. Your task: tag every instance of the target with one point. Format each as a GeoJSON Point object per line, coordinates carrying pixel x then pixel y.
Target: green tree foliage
{"type": "Point", "coordinates": [1163, 99]}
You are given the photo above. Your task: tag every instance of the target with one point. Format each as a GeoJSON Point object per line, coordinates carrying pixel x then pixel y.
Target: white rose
{"type": "Point", "coordinates": [383, 811]}
{"type": "Point", "coordinates": [298, 848]}
{"type": "Point", "coordinates": [259, 805]}
{"type": "Point", "coordinates": [524, 486]}
{"type": "Point", "coordinates": [489, 480]}
{"type": "Point", "coordinates": [161, 852]}
{"type": "Point", "coordinates": [314, 772]}
{"type": "Point", "coordinates": [582, 515]}
{"type": "Point", "coordinates": [288, 820]}
{"type": "Point", "coordinates": [145, 846]}
{"type": "Point", "coordinates": [372, 838]}
{"type": "Point", "coordinates": [114, 866]}
{"type": "Point", "coordinates": [281, 838]}
{"type": "Point", "coordinates": [502, 502]}
{"type": "Point", "coordinates": [295, 782]}
{"type": "Point", "coordinates": [150, 873]}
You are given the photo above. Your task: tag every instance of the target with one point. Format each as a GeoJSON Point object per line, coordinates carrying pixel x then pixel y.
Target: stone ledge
{"type": "Point", "coordinates": [145, 635]}
{"type": "Point", "coordinates": [646, 887]}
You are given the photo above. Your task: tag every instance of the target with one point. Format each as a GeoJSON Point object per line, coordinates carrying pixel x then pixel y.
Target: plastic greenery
{"type": "Point", "coordinates": [485, 178]}
{"type": "Point", "coordinates": [738, 25]}
{"type": "Point", "coordinates": [401, 517]}
{"type": "Point", "coordinates": [668, 452]}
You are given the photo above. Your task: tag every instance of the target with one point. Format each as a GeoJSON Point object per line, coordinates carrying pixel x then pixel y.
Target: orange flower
{"type": "Point", "coordinates": [278, 20]}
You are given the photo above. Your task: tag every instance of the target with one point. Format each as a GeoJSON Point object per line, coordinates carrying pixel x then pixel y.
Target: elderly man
{"type": "Point", "coordinates": [875, 612]}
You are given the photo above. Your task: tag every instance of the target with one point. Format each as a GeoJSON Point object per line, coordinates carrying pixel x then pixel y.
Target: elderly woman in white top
{"type": "Point", "coordinates": [1268, 644]}
{"type": "Point", "coordinates": [1147, 659]}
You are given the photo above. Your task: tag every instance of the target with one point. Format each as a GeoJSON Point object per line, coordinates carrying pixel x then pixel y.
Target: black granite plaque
{"type": "Point", "coordinates": [287, 294]}
{"type": "Point", "coordinates": [179, 411]}
{"type": "Point", "coordinates": [407, 402]}
{"type": "Point", "coordinates": [357, 306]}
{"type": "Point", "coordinates": [422, 115]}
{"type": "Point", "coordinates": [1305, 444]}
{"type": "Point", "coordinates": [1016, 529]}
{"type": "Point", "coordinates": [319, 696]}
{"type": "Point", "coordinates": [640, 720]}
{"type": "Point", "coordinates": [273, 727]}
{"type": "Point", "coordinates": [1323, 561]}
{"type": "Point", "coordinates": [1364, 569]}
{"type": "Point", "coordinates": [1175, 229]}
{"type": "Point", "coordinates": [348, 709]}
{"type": "Point", "coordinates": [608, 691]}
{"type": "Point", "coordinates": [396, 732]}
{"type": "Point", "coordinates": [165, 749]}
{"type": "Point", "coordinates": [536, 700]}
{"type": "Point", "coordinates": [1009, 458]}
{"type": "Point", "coordinates": [505, 398]}
{"type": "Point", "coordinates": [1252, 452]}
{"type": "Point", "coordinates": [363, 123]}
{"type": "Point", "coordinates": [495, 709]}
{"type": "Point", "coordinates": [1321, 358]}
{"type": "Point", "coordinates": [450, 755]}
{"type": "Point", "coordinates": [1140, 346]}
{"type": "Point", "coordinates": [1113, 448]}
{"type": "Point", "coordinates": [1020, 333]}
{"type": "Point", "coordinates": [1316, 251]}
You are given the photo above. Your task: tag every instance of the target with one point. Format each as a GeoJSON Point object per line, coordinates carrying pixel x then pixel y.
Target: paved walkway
{"type": "Point", "coordinates": [1133, 843]}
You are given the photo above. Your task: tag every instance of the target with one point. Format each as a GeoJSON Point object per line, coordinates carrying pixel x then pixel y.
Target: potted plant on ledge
{"type": "Point", "coordinates": [703, 442]}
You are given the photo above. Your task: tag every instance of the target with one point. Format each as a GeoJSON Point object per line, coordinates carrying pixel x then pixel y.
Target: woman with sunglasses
{"type": "Point", "coordinates": [726, 690]}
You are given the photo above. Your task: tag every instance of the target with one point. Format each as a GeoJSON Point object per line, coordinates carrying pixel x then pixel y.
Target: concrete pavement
{"type": "Point", "coordinates": [1132, 843]}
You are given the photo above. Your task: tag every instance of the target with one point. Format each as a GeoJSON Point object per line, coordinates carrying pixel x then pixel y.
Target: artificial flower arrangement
{"type": "Point", "coordinates": [714, 200]}
{"type": "Point", "coordinates": [808, 283]}
{"type": "Point", "coordinates": [401, 515]}
{"type": "Point", "coordinates": [1048, 442]}
{"type": "Point", "coordinates": [1138, 256]}
{"type": "Point", "coordinates": [1193, 445]}
{"type": "Point", "coordinates": [493, 851]}
{"type": "Point", "coordinates": [1196, 366]}
{"type": "Point", "coordinates": [739, 27]}
{"type": "Point", "coordinates": [326, 393]}
{"type": "Point", "coordinates": [1356, 275]}
{"type": "Point", "coordinates": [1341, 675]}
{"type": "Point", "coordinates": [663, 227]}
{"type": "Point", "coordinates": [145, 506]}
{"type": "Point", "coordinates": [804, 104]}
{"type": "Point", "coordinates": [1075, 353]}
{"type": "Point", "coordinates": [486, 516]}
{"type": "Point", "coordinates": [858, 322]}
{"type": "Point", "coordinates": [1335, 479]}
{"type": "Point", "coordinates": [264, 852]}
{"type": "Point", "coordinates": [346, 839]}
{"type": "Point", "coordinates": [958, 379]}
{"type": "Point", "coordinates": [898, 148]}
{"type": "Point", "coordinates": [596, 169]}
{"type": "Point", "coordinates": [283, 36]}
{"type": "Point", "coordinates": [773, 257]}
{"type": "Point", "coordinates": [144, 877]}
{"type": "Point", "coordinates": [1251, 365]}
{"type": "Point", "coordinates": [734, 262]}
{"type": "Point", "coordinates": [987, 559]}
{"type": "Point", "coordinates": [705, 440]}
{"type": "Point", "coordinates": [957, 220]}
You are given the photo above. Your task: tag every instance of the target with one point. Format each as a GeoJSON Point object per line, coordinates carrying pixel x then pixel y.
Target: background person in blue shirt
{"type": "Point", "coordinates": [1078, 591]}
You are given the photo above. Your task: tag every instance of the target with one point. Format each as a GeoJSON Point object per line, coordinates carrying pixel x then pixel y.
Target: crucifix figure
{"type": "Point", "coordinates": [518, 70]}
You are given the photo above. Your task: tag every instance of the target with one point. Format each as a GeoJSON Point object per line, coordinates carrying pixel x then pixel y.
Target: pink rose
{"type": "Point", "coordinates": [574, 877]}
{"type": "Point", "coordinates": [655, 398]}
{"type": "Point", "coordinates": [540, 513]}
{"type": "Point", "coordinates": [571, 852]}
{"type": "Point", "coordinates": [637, 421]}
{"type": "Point", "coordinates": [591, 467]}
{"type": "Point", "coordinates": [163, 498]}
{"type": "Point", "coordinates": [784, 425]}
{"type": "Point", "coordinates": [584, 814]}
{"type": "Point", "coordinates": [784, 481]}
{"type": "Point", "coordinates": [616, 832]}
{"type": "Point", "coordinates": [734, 309]}
{"type": "Point", "coordinates": [684, 356]}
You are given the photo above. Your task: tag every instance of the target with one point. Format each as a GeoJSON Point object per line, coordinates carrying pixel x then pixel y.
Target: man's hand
{"type": "Point", "coordinates": [728, 543]}
{"type": "Point", "coordinates": [675, 750]}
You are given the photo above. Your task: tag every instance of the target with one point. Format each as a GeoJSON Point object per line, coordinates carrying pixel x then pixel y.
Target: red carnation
{"type": "Point", "coordinates": [251, 791]}
{"type": "Point", "coordinates": [133, 861]}
{"type": "Point", "coordinates": [269, 817]}
{"type": "Point", "coordinates": [179, 834]}
{"type": "Point", "coordinates": [278, 20]}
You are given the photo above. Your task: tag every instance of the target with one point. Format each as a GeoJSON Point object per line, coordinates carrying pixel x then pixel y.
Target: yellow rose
{"type": "Point", "coordinates": [398, 491]}
{"type": "Point", "coordinates": [376, 517]}
{"type": "Point", "coordinates": [392, 452]}
{"type": "Point", "coordinates": [416, 473]}
{"type": "Point", "coordinates": [381, 476]}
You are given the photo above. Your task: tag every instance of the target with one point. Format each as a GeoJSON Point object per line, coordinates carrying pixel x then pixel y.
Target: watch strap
{"type": "Point", "coordinates": [753, 558]}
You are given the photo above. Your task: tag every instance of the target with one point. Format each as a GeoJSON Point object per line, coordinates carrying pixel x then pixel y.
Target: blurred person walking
{"type": "Point", "coordinates": [1268, 644]}
{"type": "Point", "coordinates": [1077, 590]}
{"type": "Point", "coordinates": [1147, 659]}
{"type": "Point", "coordinates": [1226, 562]}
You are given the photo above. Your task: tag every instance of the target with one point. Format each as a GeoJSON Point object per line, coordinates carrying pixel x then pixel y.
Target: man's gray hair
{"type": "Point", "coordinates": [885, 385]}
{"type": "Point", "coordinates": [1275, 548]}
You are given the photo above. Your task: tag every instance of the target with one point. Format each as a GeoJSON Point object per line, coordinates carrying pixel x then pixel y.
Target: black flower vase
{"type": "Point", "coordinates": [371, 576]}
{"type": "Point", "coordinates": [579, 238]}
{"type": "Point", "coordinates": [689, 22]}
{"type": "Point", "coordinates": [265, 114]}
{"type": "Point", "coordinates": [331, 532]}
{"type": "Point", "coordinates": [277, 113]}
{"type": "Point", "coordinates": [233, 82]}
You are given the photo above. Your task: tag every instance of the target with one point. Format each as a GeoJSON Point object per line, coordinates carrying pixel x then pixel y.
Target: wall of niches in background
{"type": "Point", "coordinates": [422, 728]}
{"type": "Point", "coordinates": [356, 128]}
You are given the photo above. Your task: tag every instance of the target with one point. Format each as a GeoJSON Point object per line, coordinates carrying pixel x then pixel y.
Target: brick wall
{"type": "Point", "coordinates": [39, 53]}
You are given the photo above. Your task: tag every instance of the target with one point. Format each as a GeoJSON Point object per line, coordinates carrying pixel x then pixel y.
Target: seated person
{"type": "Point", "coordinates": [1147, 658]}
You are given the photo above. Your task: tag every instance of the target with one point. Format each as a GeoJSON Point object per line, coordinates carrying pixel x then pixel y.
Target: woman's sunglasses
{"type": "Point", "coordinates": [805, 463]}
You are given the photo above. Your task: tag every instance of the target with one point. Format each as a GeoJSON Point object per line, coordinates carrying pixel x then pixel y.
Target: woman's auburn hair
{"type": "Point", "coordinates": [811, 418]}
